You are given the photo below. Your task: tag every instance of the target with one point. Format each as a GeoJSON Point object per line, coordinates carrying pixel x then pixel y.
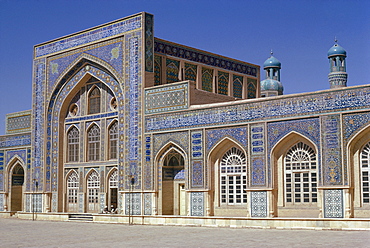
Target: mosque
{"type": "Point", "coordinates": [149, 127]}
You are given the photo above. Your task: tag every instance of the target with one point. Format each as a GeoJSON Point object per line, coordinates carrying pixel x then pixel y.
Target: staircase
{"type": "Point", "coordinates": [80, 217]}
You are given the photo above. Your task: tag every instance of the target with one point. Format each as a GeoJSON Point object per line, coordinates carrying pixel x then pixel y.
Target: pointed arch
{"type": "Point", "coordinates": [358, 157]}
{"type": "Point", "coordinates": [93, 142]}
{"type": "Point", "coordinates": [171, 163]}
{"type": "Point", "coordinates": [112, 187]}
{"type": "Point", "coordinates": [73, 144]}
{"type": "Point", "coordinates": [94, 100]}
{"type": "Point", "coordinates": [92, 191]}
{"type": "Point", "coordinates": [295, 170]}
{"type": "Point", "coordinates": [72, 180]}
{"type": "Point", "coordinates": [113, 140]}
{"type": "Point", "coordinates": [228, 173]}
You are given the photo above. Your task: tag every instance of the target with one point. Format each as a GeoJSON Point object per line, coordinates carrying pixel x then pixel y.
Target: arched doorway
{"type": "Point", "coordinates": [17, 188]}
{"type": "Point", "coordinates": [93, 186]}
{"type": "Point", "coordinates": [72, 192]}
{"type": "Point", "coordinates": [113, 190]}
{"type": "Point", "coordinates": [173, 183]}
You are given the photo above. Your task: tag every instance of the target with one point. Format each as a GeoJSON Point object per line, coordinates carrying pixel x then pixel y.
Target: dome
{"type": "Point", "coordinates": [271, 84]}
{"type": "Point", "coordinates": [272, 62]}
{"type": "Point", "coordinates": [337, 50]}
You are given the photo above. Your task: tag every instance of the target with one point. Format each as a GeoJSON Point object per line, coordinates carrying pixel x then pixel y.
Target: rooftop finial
{"type": "Point", "coordinates": [271, 52]}
{"type": "Point", "coordinates": [335, 39]}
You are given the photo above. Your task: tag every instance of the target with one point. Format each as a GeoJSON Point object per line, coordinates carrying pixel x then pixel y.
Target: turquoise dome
{"type": "Point", "coordinates": [272, 62]}
{"type": "Point", "coordinates": [271, 84]}
{"type": "Point", "coordinates": [337, 50]}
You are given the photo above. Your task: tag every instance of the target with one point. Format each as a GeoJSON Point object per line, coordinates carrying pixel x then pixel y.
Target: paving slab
{"type": "Point", "coordinates": [27, 233]}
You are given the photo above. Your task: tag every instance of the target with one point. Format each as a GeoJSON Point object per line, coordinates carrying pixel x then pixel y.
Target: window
{"type": "Point", "coordinates": [300, 175]}
{"type": "Point", "coordinates": [94, 101]}
{"type": "Point", "coordinates": [365, 172]}
{"type": "Point", "coordinates": [73, 144]}
{"type": "Point", "coordinates": [93, 140]}
{"type": "Point", "coordinates": [113, 180]}
{"type": "Point", "coordinates": [72, 187]}
{"type": "Point", "coordinates": [93, 184]}
{"type": "Point", "coordinates": [113, 141]}
{"type": "Point", "coordinates": [233, 177]}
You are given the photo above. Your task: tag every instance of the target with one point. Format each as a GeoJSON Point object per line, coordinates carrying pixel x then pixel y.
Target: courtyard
{"type": "Point", "coordinates": [27, 233]}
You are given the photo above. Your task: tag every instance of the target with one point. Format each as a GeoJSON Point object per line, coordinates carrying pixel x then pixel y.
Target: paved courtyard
{"type": "Point", "coordinates": [26, 233]}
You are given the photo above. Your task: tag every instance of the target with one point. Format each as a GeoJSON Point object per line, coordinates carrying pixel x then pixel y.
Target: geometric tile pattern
{"type": "Point", "coordinates": [148, 169]}
{"type": "Point", "coordinates": [190, 72]}
{"type": "Point", "coordinates": [252, 88]}
{"type": "Point", "coordinates": [296, 106]}
{"type": "Point", "coordinates": [133, 204]}
{"type": "Point", "coordinates": [180, 139]}
{"type": "Point", "coordinates": [149, 42]}
{"type": "Point", "coordinates": [238, 135]}
{"type": "Point", "coordinates": [18, 122]}
{"type": "Point", "coordinates": [84, 38]}
{"type": "Point", "coordinates": [166, 98]}
{"type": "Point", "coordinates": [223, 83]}
{"type": "Point", "coordinates": [331, 150]}
{"type": "Point", "coordinates": [197, 204]}
{"type": "Point", "coordinates": [197, 174]}
{"type": "Point", "coordinates": [333, 203]}
{"type": "Point", "coordinates": [147, 204]}
{"type": "Point", "coordinates": [237, 86]}
{"type": "Point", "coordinates": [207, 79]}
{"type": "Point", "coordinates": [172, 72]}
{"type": "Point", "coordinates": [258, 204]}
{"type": "Point", "coordinates": [180, 51]}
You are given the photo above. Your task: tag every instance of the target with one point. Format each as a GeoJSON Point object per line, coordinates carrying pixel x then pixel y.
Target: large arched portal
{"type": "Point", "coordinates": [17, 187]}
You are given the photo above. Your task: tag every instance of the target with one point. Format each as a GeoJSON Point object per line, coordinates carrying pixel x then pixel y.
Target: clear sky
{"type": "Point", "coordinates": [300, 32]}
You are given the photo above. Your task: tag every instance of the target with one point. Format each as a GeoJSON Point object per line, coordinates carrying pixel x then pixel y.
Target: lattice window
{"type": "Point", "coordinates": [73, 144]}
{"type": "Point", "coordinates": [223, 83]}
{"type": "Point", "coordinates": [365, 172]}
{"type": "Point", "coordinates": [94, 101]}
{"type": "Point", "coordinates": [233, 177]}
{"type": "Point", "coordinates": [113, 141]}
{"type": "Point", "coordinates": [238, 86]}
{"type": "Point", "coordinates": [72, 187]}
{"type": "Point", "coordinates": [207, 79]}
{"type": "Point", "coordinates": [300, 175]}
{"type": "Point", "coordinates": [157, 70]}
{"type": "Point", "coordinates": [93, 184]}
{"type": "Point", "coordinates": [190, 72]}
{"type": "Point", "coordinates": [113, 180]}
{"type": "Point", "coordinates": [172, 70]}
{"type": "Point", "coordinates": [93, 140]}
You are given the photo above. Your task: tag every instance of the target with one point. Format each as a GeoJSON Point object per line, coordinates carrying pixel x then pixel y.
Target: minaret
{"type": "Point", "coordinates": [337, 60]}
{"type": "Point", "coordinates": [271, 86]}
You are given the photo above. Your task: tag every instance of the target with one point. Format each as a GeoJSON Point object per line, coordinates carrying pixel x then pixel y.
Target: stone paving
{"type": "Point", "coordinates": [27, 233]}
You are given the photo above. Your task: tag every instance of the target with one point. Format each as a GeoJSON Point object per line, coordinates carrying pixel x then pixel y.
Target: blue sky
{"type": "Point", "coordinates": [299, 32]}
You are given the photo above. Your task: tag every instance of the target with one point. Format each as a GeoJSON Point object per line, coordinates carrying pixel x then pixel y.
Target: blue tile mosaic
{"type": "Point", "coordinates": [109, 30]}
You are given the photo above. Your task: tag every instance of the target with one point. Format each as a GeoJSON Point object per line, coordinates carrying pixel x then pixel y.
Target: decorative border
{"type": "Point", "coordinates": [331, 150]}
{"type": "Point", "coordinates": [99, 33]}
{"type": "Point", "coordinates": [180, 51]}
{"type": "Point", "coordinates": [18, 122]}
{"type": "Point", "coordinates": [166, 98]}
{"type": "Point", "coordinates": [292, 106]}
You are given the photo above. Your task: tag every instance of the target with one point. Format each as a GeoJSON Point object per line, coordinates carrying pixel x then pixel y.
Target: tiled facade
{"type": "Point", "coordinates": [169, 150]}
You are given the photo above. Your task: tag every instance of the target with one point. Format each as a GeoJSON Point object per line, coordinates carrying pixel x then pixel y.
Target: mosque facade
{"type": "Point", "coordinates": [126, 120]}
